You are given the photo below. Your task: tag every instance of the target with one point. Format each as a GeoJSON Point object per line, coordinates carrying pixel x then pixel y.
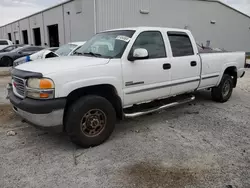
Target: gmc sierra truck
{"type": "Point", "coordinates": [118, 74]}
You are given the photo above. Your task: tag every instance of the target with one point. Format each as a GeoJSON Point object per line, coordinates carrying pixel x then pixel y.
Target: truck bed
{"type": "Point", "coordinates": [213, 65]}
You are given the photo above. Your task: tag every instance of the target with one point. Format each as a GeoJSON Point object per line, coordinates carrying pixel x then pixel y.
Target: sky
{"type": "Point", "coordinates": [11, 10]}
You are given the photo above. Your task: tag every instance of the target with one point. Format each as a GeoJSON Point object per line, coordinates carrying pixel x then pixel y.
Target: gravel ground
{"type": "Point", "coordinates": [3, 92]}
{"type": "Point", "coordinates": [198, 145]}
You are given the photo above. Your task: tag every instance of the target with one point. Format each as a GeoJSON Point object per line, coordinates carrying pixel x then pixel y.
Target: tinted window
{"type": "Point", "coordinates": [31, 49]}
{"type": "Point", "coordinates": [180, 44]}
{"type": "Point", "coordinates": [8, 49]}
{"type": "Point", "coordinates": [3, 42]}
{"type": "Point", "coordinates": [27, 49]}
{"type": "Point", "coordinates": [153, 42]}
{"type": "Point", "coordinates": [65, 49]}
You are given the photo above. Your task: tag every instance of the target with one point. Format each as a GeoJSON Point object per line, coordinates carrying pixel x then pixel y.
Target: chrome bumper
{"type": "Point", "coordinates": [53, 119]}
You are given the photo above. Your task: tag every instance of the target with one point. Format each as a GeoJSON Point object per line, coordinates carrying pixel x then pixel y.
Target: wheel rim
{"type": "Point", "coordinates": [226, 88]}
{"type": "Point", "coordinates": [93, 122]}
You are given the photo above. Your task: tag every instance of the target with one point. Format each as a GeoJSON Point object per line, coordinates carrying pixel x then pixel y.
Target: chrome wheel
{"type": "Point", "coordinates": [93, 123]}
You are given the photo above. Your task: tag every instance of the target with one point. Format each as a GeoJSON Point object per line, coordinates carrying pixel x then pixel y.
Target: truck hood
{"type": "Point", "coordinates": [48, 66]}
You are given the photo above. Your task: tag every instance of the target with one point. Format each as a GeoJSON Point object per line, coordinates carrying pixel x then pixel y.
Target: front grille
{"type": "Point", "coordinates": [19, 86]}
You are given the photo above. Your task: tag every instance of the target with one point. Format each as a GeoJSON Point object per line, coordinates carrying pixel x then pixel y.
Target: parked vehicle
{"type": "Point", "coordinates": [4, 43]}
{"type": "Point", "coordinates": [65, 50]}
{"type": "Point", "coordinates": [69, 49]}
{"type": "Point", "coordinates": [7, 58]}
{"type": "Point", "coordinates": [145, 70]}
{"type": "Point", "coordinates": [11, 47]}
{"type": "Point", "coordinates": [43, 54]}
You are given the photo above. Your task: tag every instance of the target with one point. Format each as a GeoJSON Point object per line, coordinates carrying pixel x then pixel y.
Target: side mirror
{"type": "Point", "coordinates": [139, 53]}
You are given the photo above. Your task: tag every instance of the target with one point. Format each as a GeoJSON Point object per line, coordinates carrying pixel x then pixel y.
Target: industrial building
{"type": "Point", "coordinates": [210, 21]}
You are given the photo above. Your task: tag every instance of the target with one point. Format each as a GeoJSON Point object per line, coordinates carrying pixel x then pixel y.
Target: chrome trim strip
{"type": "Point", "coordinates": [133, 83]}
{"type": "Point", "coordinates": [160, 87]}
{"type": "Point", "coordinates": [208, 77]}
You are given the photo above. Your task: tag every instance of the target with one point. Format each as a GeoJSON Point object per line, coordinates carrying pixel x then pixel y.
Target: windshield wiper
{"type": "Point", "coordinates": [92, 54]}
{"type": "Point", "coordinates": [78, 53]}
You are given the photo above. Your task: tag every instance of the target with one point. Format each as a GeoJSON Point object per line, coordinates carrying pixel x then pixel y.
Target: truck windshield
{"type": "Point", "coordinates": [109, 44]}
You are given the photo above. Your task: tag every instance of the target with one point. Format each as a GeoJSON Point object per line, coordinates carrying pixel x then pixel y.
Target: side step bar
{"type": "Point", "coordinates": [152, 110]}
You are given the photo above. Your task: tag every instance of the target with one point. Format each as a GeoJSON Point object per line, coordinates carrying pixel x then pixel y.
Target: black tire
{"type": "Point", "coordinates": [6, 62]}
{"type": "Point", "coordinates": [80, 111]}
{"type": "Point", "coordinates": [224, 91]}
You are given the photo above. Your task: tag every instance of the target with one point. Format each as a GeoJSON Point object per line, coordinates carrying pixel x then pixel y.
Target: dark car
{"type": "Point", "coordinates": [7, 58]}
{"type": "Point", "coordinates": [11, 47]}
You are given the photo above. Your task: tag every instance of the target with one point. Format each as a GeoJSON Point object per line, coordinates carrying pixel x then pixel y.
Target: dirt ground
{"type": "Point", "coordinates": [198, 145]}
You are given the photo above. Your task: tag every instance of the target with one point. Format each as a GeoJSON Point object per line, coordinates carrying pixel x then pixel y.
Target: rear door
{"type": "Point", "coordinates": [185, 63]}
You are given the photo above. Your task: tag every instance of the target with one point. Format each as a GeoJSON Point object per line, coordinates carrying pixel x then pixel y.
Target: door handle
{"type": "Point", "coordinates": [166, 66]}
{"type": "Point", "coordinates": [193, 63]}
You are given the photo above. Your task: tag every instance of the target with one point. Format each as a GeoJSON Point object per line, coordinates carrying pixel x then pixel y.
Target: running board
{"type": "Point", "coordinates": [152, 110]}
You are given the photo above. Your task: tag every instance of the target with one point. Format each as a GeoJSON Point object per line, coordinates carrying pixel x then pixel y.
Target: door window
{"type": "Point", "coordinates": [3, 42]}
{"type": "Point", "coordinates": [180, 44]}
{"type": "Point", "coordinates": [153, 42]}
{"type": "Point", "coordinates": [32, 49]}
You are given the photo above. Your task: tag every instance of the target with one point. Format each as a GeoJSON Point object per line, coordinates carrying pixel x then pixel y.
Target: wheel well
{"type": "Point", "coordinates": [232, 71]}
{"type": "Point", "coordinates": [105, 90]}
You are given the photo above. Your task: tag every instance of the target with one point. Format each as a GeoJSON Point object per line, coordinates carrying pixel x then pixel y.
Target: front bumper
{"type": "Point", "coordinates": [53, 119]}
{"type": "Point", "coordinates": [42, 113]}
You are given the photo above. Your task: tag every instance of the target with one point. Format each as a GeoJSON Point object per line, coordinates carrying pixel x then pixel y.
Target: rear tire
{"type": "Point", "coordinates": [90, 121]}
{"type": "Point", "coordinates": [223, 92]}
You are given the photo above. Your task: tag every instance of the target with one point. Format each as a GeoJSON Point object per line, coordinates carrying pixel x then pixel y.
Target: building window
{"type": "Point", "coordinates": [9, 36]}
{"type": "Point", "coordinates": [37, 36]}
{"type": "Point", "coordinates": [25, 37]}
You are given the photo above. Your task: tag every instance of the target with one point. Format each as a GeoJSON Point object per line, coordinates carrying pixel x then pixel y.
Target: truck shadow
{"type": "Point", "coordinates": [193, 108]}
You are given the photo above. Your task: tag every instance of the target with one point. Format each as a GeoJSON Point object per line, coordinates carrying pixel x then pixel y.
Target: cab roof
{"type": "Point", "coordinates": [142, 28]}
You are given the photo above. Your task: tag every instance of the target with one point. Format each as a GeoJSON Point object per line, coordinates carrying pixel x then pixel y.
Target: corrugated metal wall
{"type": "Point", "coordinates": [75, 20]}
{"type": "Point", "coordinates": [24, 25]}
{"type": "Point", "coordinates": [36, 21]}
{"type": "Point", "coordinates": [78, 20]}
{"type": "Point", "coordinates": [54, 17]}
{"type": "Point", "coordinates": [231, 30]}
{"type": "Point", "coordinates": [120, 13]}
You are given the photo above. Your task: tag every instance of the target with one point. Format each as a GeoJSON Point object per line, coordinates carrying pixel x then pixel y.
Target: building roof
{"type": "Point", "coordinates": [67, 1]}
{"type": "Point", "coordinates": [228, 6]}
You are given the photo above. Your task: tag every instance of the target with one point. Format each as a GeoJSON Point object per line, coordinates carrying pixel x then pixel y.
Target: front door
{"type": "Point", "coordinates": [147, 79]}
{"type": "Point", "coordinates": [185, 64]}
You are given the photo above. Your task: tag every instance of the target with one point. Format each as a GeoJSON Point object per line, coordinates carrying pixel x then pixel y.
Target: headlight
{"type": "Point", "coordinates": [40, 88]}
{"type": "Point", "coordinates": [43, 83]}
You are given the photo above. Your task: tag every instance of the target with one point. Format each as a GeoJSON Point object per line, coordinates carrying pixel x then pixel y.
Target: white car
{"type": "Point", "coordinates": [65, 50]}
{"type": "Point", "coordinates": [4, 43]}
{"type": "Point", "coordinates": [69, 49]}
{"type": "Point", "coordinates": [133, 71]}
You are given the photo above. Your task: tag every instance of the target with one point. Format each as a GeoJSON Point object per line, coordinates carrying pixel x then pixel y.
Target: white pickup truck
{"type": "Point", "coordinates": [117, 74]}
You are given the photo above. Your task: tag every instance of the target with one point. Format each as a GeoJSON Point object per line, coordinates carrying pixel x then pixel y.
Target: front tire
{"type": "Point", "coordinates": [224, 91]}
{"type": "Point", "coordinates": [90, 121]}
{"type": "Point", "coordinates": [6, 62]}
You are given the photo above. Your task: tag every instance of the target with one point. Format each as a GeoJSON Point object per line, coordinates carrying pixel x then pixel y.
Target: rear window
{"type": "Point", "coordinates": [180, 44]}
{"type": "Point", "coordinates": [3, 42]}
{"type": "Point", "coordinates": [65, 49]}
